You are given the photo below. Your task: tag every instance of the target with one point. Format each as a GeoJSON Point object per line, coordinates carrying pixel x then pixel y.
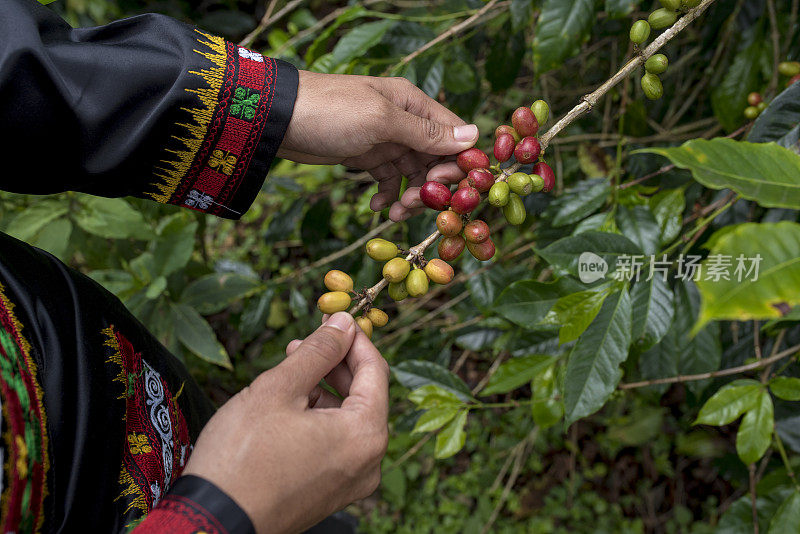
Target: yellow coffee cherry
{"type": "Point", "coordinates": [365, 325]}
{"type": "Point", "coordinates": [336, 280]}
{"type": "Point", "coordinates": [417, 283]}
{"type": "Point", "coordinates": [396, 269]}
{"type": "Point", "coordinates": [378, 317]}
{"type": "Point", "coordinates": [439, 271]}
{"type": "Point", "coordinates": [381, 250]}
{"type": "Point", "coordinates": [333, 302]}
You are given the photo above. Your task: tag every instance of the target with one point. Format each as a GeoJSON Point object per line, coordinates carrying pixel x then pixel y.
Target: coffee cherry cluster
{"type": "Point", "coordinates": [338, 299]}
{"type": "Point", "coordinates": [755, 106]}
{"type": "Point", "coordinates": [660, 19]}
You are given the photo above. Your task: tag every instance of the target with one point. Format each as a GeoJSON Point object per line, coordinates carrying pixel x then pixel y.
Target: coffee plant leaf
{"type": "Point", "coordinates": [173, 247]}
{"type": "Point", "coordinates": [785, 387]}
{"type": "Point", "coordinates": [515, 372]}
{"type": "Point", "coordinates": [433, 396]}
{"type": "Point", "coordinates": [527, 302]}
{"type": "Point", "coordinates": [667, 207]}
{"type": "Point", "coordinates": [652, 311]}
{"type": "Point", "coordinates": [451, 438]}
{"type": "Point", "coordinates": [787, 517]}
{"type": "Point", "coordinates": [562, 27]}
{"type": "Point", "coordinates": [416, 373]}
{"type": "Point", "coordinates": [574, 313]}
{"type": "Point", "coordinates": [593, 366]}
{"type": "Point", "coordinates": [434, 78]}
{"type": "Point", "coordinates": [565, 252]}
{"type": "Point", "coordinates": [764, 296]}
{"type": "Point", "coordinates": [359, 40]}
{"type": "Point", "coordinates": [214, 292]}
{"type": "Point", "coordinates": [780, 122]}
{"type": "Point", "coordinates": [764, 172]}
{"type": "Point", "coordinates": [546, 410]}
{"type": "Point", "coordinates": [196, 335]}
{"type": "Point", "coordinates": [639, 225]}
{"type": "Point", "coordinates": [111, 218]}
{"type": "Point", "coordinates": [29, 222]}
{"type": "Point", "coordinates": [729, 97]}
{"type": "Point", "coordinates": [616, 9]}
{"type": "Point", "coordinates": [755, 432]}
{"type": "Point", "coordinates": [521, 11]}
{"type": "Point", "coordinates": [435, 418]}
{"type": "Point", "coordinates": [579, 202]}
{"type": "Point", "coordinates": [730, 402]}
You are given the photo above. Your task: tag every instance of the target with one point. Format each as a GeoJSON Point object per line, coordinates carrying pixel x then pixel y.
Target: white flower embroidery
{"type": "Point", "coordinates": [249, 54]}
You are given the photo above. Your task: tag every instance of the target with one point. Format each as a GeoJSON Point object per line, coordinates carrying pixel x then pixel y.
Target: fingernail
{"type": "Point", "coordinates": [341, 321]}
{"type": "Point", "coordinates": [467, 132]}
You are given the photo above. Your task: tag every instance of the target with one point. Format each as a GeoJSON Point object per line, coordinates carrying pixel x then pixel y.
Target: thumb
{"type": "Point", "coordinates": [318, 354]}
{"type": "Point", "coordinates": [430, 136]}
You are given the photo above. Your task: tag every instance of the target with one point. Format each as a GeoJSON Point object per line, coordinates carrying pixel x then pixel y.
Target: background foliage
{"type": "Point", "coordinates": [510, 409]}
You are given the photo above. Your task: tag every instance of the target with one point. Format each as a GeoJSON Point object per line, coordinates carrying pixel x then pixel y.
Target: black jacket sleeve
{"type": "Point", "coordinates": [145, 106]}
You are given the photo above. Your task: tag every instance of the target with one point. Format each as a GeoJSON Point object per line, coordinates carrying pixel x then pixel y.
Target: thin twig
{"type": "Point", "coordinates": [776, 47]}
{"type": "Point", "coordinates": [754, 509]}
{"type": "Point", "coordinates": [267, 20]}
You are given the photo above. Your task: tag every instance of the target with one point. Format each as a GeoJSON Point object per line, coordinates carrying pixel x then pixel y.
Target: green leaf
{"type": "Point", "coordinates": [54, 238]}
{"type": "Point", "coordinates": [580, 202]}
{"type": "Point", "coordinates": [755, 432]}
{"type": "Point", "coordinates": [640, 226]}
{"type": "Point", "coordinates": [452, 437]}
{"type": "Point", "coordinates": [318, 47]}
{"type": "Point", "coordinates": [111, 218]}
{"type": "Point", "coordinates": [787, 518]}
{"type": "Point", "coordinates": [780, 122]}
{"type": "Point", "coordinates": [459, 77]}
{"type": "Point", "coordinates": [195, 333]}
{"type": "Point", "coordinates": [174, 245]}
{"type": "Point", "coordinates": [667, 207]}
{"type": "Point", "coordinates": [521, 11]}
{"type": "Point", "coordinates": [434, 419]}
{"type": "Point", "coordinates": [562, 27]}
{"type": "Point", "coordinates": [617, 9]}
{"type": "Point", "coordinates": [432, 83]}
{"type": "Point", "coordinates": [515, 372]}
{"type": "Point", "coordinates": [359, 40]}
{"type": "Point", "coordinates": [593, 366]}
{"type": "Point", "coordinates": [214, 292]}
{"type": "Point", "coordinates": [652, 308]}
{"type": "Point", "coordinates": [565, 252]}
{"type": "Point", "coordinates": [778, 245]}
{"type": "Point", "coordinates": [575, 312]}
{"type": "Point", "coordinates": [118, 282]}
{"type": "Point", "coordinates": [505, 57]}
{"type": "Point", "coordinates": [766, 173]}
{"type": "Point", "coordinates": [700, 352]}
{"type": "Point", "coordinates": [527, 302]}
{"type": "Point", "coordinates": [254, 315]}
{"type": "Point", "coordinates": [729, 97]}
{"type": "Point", "coordinates": [785, 387]}
{"type": "Point", "coordinates": [731, 401]}
{"type": "Point", "coordinates": [415, 373]}
{"type": "Point", "coordinates": [35, 217]}
{"type": "Point", "coordinates": [433, 396]}
{"type": "Point", "coordinates": [546, 410]}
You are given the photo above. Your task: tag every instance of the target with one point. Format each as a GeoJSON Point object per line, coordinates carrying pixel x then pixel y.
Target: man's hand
{"type": "Point", "coordinates": [386, 126]}
{"type": "Point", "coordinates": [290, 453]}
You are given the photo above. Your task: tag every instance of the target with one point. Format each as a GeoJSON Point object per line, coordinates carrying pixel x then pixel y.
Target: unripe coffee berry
{"type": "Point", "coordinates": [524, 122]}
{"type": "Point", "coordinates": [439, 271]}
{"type": "Point", "coordinates": [451, 247]}
{"type": "Point", "coordinates": [662, 18]}
{"type": "Point", "coordinates": [651, 86]}
{"type": "Point", "coordinates": [381, 250]}
{"type": "Point", "coordinates": [514, 211]}
{"type": "Point", "coordinates": [640, 31]}
{"type": "Point", "coordinates": [656, 64]}
{"type": "Point", "coordinates": [481, 179]}
{"type": "Point", "coordinates": [449, 223]}
{"type": "Point", "coordinates": [498, 194]}
{"type": "Point", "coordinates": [751, 113]}
{"type": "Point", "coordinates": [761, 107]}
{"type": "Point", "coordinates": [789, 68]}
{"type": "Point", "coordinates": [547, 175]}
{"type": "Point", "coordinates": [506, 129]}
{"type": "Point", "coordinates": [537, 183]}
{"type": "Point", "coordinates": [417, 283]}
{"type": "Point", "coordinates": [673, 5]}
{"type": "Point", "coordinates": [397, 291]}
{"type": "Point", "coordinates": [476, 231]}
{"type": "Point", "coordinates": [365, 325]}
{"type": "Point", "coordinates": [465, 200]}
{"type": "Point", "coordinates": [482, 251]}
{"type": "Point", "coordinates": [336, 280]}
{"type": "Point", "coordinates": [520, 183]}
{"type": "Point", "coordinates": [504, 147]}
{"type": "Point", "coordinates": [396, 269]}
{"type": "Point", "coordinates": [333, 302]}
{"type": "Point", "coordinates": [435, 195]}
{"type": "Point", "coordinates": [541, 110]}
{"type": "Point", "coordinates": [377, 317]}
{"type": "Point", "coordinates": [472, 158]}
{"type": "Point", "coordinates": [754, 99]}
{"type": "Point", "coordinates": [527, 150]}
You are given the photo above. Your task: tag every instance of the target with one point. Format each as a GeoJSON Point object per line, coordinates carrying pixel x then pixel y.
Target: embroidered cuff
{"type": "Point", "coordinates": [244, 103]}
{"type": "Point", "coordinates": [192, 505]}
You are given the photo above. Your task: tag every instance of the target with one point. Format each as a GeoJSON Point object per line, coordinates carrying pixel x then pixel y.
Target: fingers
{"type": "Point", "coordinates": [318, 354]}
{"type": "Point", "coordinates": [369, 391]}
{"type": "Point", "coordinates": [340, 377]}
{"type": "Point", "coordinates": [388, 178]}
{"type": "Point", "coordinates": [414, 100]}
{"type": "Point", "coordinates": [319, 398]}
{"type": "Point", "coordinates": [428, 135]}
{"type": "Point", "coordinates": [446, 173]}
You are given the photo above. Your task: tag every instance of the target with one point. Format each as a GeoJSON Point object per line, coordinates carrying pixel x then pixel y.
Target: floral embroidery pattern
{"type": "Point", "coordinates": [222, 161]}
{"type": "Point", "coordinates": [245, 103]}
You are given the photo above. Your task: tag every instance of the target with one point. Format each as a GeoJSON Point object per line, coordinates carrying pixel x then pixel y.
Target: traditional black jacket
{"type": "Point", "coordinates": [98, 419]}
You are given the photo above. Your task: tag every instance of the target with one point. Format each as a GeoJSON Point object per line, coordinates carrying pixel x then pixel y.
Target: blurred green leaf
{"type": "Point", "coordinates": [515, 372]}
{"type": "Point", "coordinates": [32, 219]}
{"type": "Point", "coordinates": [111, 218]}
{"type": "Point", "coordinates": [787, 518]}
{"type": "Point", "coordinates": [435, 418]}
{"type": "Point", "coordinates": [416, 373]}
{"type": "Point", "coordinates": [730, 402]}
{"type": "Point", "coordinates": [195, 333]}
{"type": "Point", "coordinates": [785, 387]}
{"type": "Point", "coordinates": [562, 27]}
{"type": "Point", "coordinates": [213, 292]}
{"type": "Point", "coordinates": [755, 432]}
{"type": "Point", "coordinates": [452, 437]}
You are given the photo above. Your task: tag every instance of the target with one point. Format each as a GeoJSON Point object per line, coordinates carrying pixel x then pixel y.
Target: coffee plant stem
{"type": "Point", "coordinates": [776, 47]}
{"type": "Point", "coordinates": [760, 364]}
{"type": "Point", "coordinates": [785, 458]}
{"type": "Point", "coordinates": [268, 19]}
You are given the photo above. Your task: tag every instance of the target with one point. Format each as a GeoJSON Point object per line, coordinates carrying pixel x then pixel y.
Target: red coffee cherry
{"type": "Point", "coordinates": [439, 271]}
{"type": "Point", "coordinates": [528, 150]}
{"type": "Point", "coordinates": [480, 179]}
{"type": "Point", "coordinates": [451, 247]}
{"type": "Point", "coordinates": [792, 80]}
{"type": "Point", "coordinates": [465, 200]}
{"type": "Point", "coordinates": [754, 99]}
{"type": "Point", "coordinates": [435, 195]}
{"type": "Point", "coordinates": [449, 223]}
{"type": "Point", "coordinates": [482, 251]}
{"type": "Point", "coordinates": [476, 231]}
{"type": "Point", "coordinates": [504, 147]}
{"type": "Point", "coordinates": [506, 129]}
{"type": "Point", "coordinates": [524, 121]}
{"type": "Point", "coordinates": [464, 183]}
{"type": "Point", "coordinates": [547, 174]}
{"type": "Point", "coordinates": [472, 158]}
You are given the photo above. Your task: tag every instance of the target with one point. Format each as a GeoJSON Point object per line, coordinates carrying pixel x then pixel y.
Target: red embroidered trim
{"type": "Point", "coordinates": [25, 469]}
{"type": "Point", "coordinates": [179, 515]}
{"type": "Point", "coordinates": [157, 437]}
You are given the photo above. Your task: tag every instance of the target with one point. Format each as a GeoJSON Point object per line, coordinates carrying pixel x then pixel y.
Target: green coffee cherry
{"type": "Point", "coordinates": [541, 110]}
{"type": "Point", "coordinates": [537, 182]}
{"type": "Point", "coordinates": [640, 31]}
{"type": "Point", "coordinates": [396, 269]}
{"type": "Point", "coordinates": [751, 112]}
{"type": "Point", "coordinates": [662, 18]}
{"type": "Point", "coordinates": [417, 283]}
{"type": "Point", "coordinates": [789, 68]}
{"type": "Point", "coordinates": [520, 183]}
{"type": "Point", "coordinates": [652, 87]}
{"type": "Point", "coordinates": [397, 291]}
{"type": "Point", "coordinates": [381, 250]}
{"type": "Point", "coordinates": [672, 5]}
{"type": "Point", "coordinates": [656, 64]}
{"type": "Point", "coordinates": [498, 194]}
{"type": "Point", "coordinates": [514, 211]}
{"type": "Point", "coordinates": [761, 107]}
{"type": "Point", "coordinates": [690, 3]}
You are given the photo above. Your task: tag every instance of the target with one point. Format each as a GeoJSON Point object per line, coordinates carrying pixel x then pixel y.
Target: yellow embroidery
{"type": "Point", "coordinates": [224, 162]}
{"type": "Point", "coordinates": [22, 457]}
{"type": "Point", "coordinates": [132, 488]}
{"type": "Point", "coordinates": [139, 444]}
{"type": "Point", "coordinates": [176, 168]}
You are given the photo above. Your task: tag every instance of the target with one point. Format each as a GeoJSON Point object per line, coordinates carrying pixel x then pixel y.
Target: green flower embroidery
{"type": "Point", "coordinates": [245, 103]}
